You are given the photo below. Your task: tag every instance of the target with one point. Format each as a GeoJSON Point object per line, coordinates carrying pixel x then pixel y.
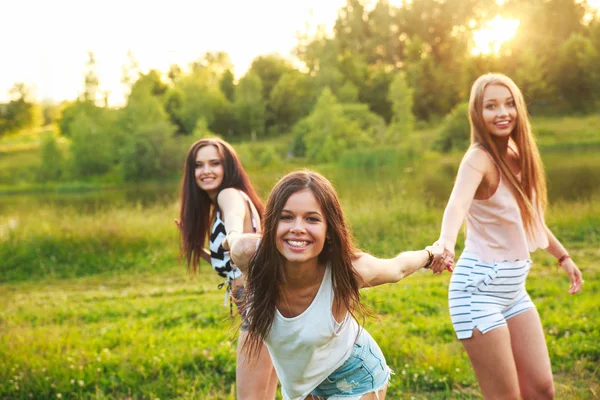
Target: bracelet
{"type": "Point", "coordinates": [562, 259]}
{"type": "Point", "coordinates": [429, 260]}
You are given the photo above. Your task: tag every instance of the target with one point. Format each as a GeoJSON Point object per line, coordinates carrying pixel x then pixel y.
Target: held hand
{"type": "Point", "coordinates": [446, 261]}
{"type": "Point", "coordinates": [574, 274]}
{"type": "Point", "coordinates": [229, 239]}
{"type": "Point", "coordinates": [441, 258]}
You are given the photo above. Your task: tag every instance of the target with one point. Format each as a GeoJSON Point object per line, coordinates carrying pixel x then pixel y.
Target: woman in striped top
{"type": "Point", "coordinates": [216, 191]}
{"type": "Point", "coordinates": [501, 191]}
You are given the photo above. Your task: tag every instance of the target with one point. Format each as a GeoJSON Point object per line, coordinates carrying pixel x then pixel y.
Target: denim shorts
{"type": "Point", "coordinates": [365, 371]}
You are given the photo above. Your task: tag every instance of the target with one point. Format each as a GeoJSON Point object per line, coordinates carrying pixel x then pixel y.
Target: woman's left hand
{"type": "Point", "coordinates": [574, 274]}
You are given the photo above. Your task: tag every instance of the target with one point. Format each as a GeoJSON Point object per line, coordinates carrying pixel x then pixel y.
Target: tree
{"type": "Point", "coordinates": [196, 95]}
{"type": "Point", "coordinates": [401, 97]}
{"type": "Point", "coordinates": [51, 159]}
{"type": "Point", "coordinates": [145, 105]}
{"type": "Point", "coordinates": [351, 28]}
{"type": "Point", "coordinates": [383, 45]}
{"type": "Point", "coordinates": [455, 131]}
{"type": "Point", "coordinates": [227, 86]}
{"type": "Point", "coordinates": [91, 81]}
{"type": "Point", "coordinates": [576, 73]}
{"type": "Point", "coordinates": [329, 131]}
{"type": "Point", "coordinates": [20, 112]}
{"type": "Point", "coordinates": [375, 91]}
{"type": "Point", "coordinates": [92, 152]}
{"type": "Point", "coordinates": [130, 72]}
{"type": "Point", "coordinates": [269, 69]}
{"type": "Point", "coordinates": [291, 99]}
{"type": "Point", "coordinates": [249, 106]}
{"type": "Point", "coordinates": [150, 153]}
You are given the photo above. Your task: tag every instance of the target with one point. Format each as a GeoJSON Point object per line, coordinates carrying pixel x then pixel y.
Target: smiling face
{"type": "Point", "coordinates": [499, 110]}
{"type": "Point", "coordinates": [301, 229]}
{"type": "Point", "coordinates": [209, 170]}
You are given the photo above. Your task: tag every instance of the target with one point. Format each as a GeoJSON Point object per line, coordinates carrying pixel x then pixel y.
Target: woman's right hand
{"type": "Point", "coordinates": [446, 261]}
{"type": "Point", "coordinates": [230, 239]}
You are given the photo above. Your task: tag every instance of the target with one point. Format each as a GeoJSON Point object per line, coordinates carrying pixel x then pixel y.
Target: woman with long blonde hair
{"type": "Point", "coordinates": [501, 191]}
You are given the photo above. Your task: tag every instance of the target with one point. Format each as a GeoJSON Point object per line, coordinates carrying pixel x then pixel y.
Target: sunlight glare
{"type": "Point", "coordinates": [489, 39]}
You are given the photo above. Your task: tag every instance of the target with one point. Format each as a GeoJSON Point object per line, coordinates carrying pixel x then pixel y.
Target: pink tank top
{"type": "Point", "coordinates": [496, 232]}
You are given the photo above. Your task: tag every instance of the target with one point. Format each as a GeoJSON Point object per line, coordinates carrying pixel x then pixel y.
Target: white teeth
{"type": "Point", "coordinates": [297, 243]}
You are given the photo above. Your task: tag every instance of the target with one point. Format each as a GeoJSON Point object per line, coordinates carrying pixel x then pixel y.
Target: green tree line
{"type": "Point", "coordinates": [383, 70]}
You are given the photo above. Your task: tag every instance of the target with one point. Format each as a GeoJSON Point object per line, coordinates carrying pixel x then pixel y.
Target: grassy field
{"type": "Point", "coordinates": [95, 304]}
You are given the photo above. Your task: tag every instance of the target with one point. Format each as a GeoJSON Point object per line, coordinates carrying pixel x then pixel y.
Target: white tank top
{"type": "Point", "coordinates": [307, 348]}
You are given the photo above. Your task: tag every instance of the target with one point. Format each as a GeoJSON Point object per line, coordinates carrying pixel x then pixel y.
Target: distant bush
{"type": "Point", "coordinates": [269, 157]}
{"type": "Point", "coordinates": [51, 159]}
{"type": "Point", "coordinates": [150, 153]}
{"type": "Point", "coordinates": [300, 130]}
{"type": "Point", "coordinates": [328, 131]}
{"type": "Point", "coordinates": [91, 147]}
{"type": "Point", "coordinates": [455, 131]}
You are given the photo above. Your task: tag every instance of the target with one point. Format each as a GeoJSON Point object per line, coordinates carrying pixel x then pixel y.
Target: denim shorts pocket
{"type": "Point", "coordinates": [351, 366]}
{"type": "Point", "coordinates": [376, 362]}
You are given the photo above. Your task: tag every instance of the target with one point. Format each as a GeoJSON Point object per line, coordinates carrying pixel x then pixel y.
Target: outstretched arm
{"type": "Point", "coordinates": [241, 248]}
{"type": "Point", "coordinates": [233, 207]}
{"type": "Point", "coordinates": [374, 271]}
{"type": "Point", "coordinates": [564, 260]}
{"type": "Point", "coordinates": [474, 166]}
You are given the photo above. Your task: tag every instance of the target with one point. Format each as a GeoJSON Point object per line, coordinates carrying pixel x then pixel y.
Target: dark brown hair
{"type": "Point", "coordinates": [265, 270]}
{"type": "Point", "coordinates": [533, 179]}
{"type": "Point", "coordinates": [196, 207]}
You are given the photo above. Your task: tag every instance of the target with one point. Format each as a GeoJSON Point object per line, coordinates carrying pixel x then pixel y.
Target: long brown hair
{"type": "Point", "coordinates": [265, 270]}
{"type": "Point", "coordinates": [196, 207]}
{"type": "Point", "coordinates": [530, 191]}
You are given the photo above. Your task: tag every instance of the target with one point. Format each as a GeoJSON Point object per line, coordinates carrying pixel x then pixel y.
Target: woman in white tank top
{"type": "Point", "coordinates": [217, 198]}
{"type": "Point", "coordinates": [303, 281]}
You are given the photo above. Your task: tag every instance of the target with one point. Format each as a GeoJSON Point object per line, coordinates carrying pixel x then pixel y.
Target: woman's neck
{"type": "Point", "coordinates": [502, 144]}
{"type": "Point", "coordinates": [213, 197]}
{"type": "Point", "coordinates": [298, 275]}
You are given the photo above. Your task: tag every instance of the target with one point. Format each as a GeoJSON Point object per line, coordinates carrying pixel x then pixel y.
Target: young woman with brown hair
{"type": "Point", "coordinates": [303, 280]}
{"type": "Point", "coordinates": [217, 198]}
{"type": "Point", "coordinates": [501, 191]}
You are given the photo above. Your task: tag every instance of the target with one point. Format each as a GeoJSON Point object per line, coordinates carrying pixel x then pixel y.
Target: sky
{"type": "Point", "coordinates": [45, 43]}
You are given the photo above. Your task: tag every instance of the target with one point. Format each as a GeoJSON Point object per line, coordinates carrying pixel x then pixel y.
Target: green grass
{"type": "Point", "coordinates": [95, 303]}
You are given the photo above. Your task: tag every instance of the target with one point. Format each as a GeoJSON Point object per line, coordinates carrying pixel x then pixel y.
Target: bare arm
{"type": "Point", "coordinates": [241, 248]}
{"type": "Point", "coordinates": [205, 254]}
{"type": "Point", "coordinates": [558, 250]}
{"type": "Point", "coordinates": [232, 205]}
{"type": "Point", "coordinates": [474, 166]}
{"type": "Point", "coordinates": [374, 271]}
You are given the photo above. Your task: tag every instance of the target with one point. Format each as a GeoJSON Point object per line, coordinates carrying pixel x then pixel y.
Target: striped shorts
{"type": "Point", "coordinates": [484, 296]}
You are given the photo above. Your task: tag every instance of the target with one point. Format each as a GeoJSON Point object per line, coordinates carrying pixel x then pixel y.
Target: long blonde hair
{"type": "Point", "coordinates": [530, 191]}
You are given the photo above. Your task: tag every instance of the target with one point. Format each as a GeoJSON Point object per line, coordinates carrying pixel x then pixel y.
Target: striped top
{"type": "Point", "coordinates": [219, 257]}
